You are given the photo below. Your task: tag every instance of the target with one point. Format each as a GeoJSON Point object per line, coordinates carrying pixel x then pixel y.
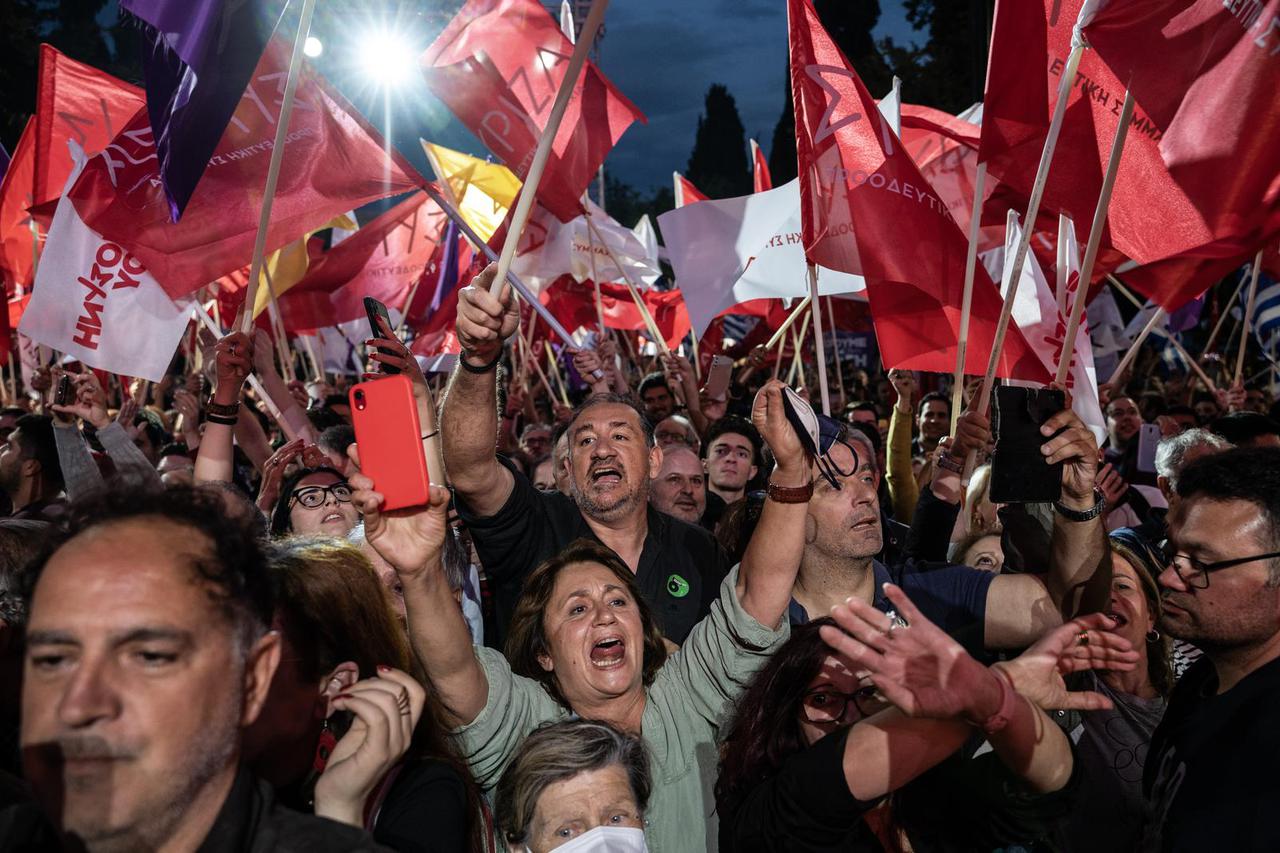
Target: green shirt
{"type": "Point", "coordinates": [691, 696]}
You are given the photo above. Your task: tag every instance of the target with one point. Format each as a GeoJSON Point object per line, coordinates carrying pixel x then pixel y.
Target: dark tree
{"type": "Point", "coordinates": [718, 165]}
{"type": "Point", "coordinates": [948, 71]}
{"type": "Point", "coordinates": [849, 24]}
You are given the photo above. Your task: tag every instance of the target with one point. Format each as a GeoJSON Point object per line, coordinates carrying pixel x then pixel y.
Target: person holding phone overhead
{"type": "Point", "coordinates": [612, 458]}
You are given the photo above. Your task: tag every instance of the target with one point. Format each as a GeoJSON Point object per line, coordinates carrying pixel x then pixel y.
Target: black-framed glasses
{"type": "Point", "coordinates": [1196, 575]}
{"type": "Point", "coordinates": [313, 496]}
{"type": "Point", "coordinates": [828, 707]}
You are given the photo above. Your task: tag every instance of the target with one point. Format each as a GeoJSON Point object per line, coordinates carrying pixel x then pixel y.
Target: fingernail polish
{"type": "Point", "coordinates": [382, 667]}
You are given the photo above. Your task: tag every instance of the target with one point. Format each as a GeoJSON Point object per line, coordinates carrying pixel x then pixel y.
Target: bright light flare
{"type": "Point", "coordinates": [313, 47]}
{"type": "Point", "coordinates": [387, 59]}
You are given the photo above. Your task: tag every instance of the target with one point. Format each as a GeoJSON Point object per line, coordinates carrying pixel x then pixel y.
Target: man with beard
{"type": "Point", "coordinates": [1210, 775]}
{"type": "Point", "coordinates": [148, 654]}
{"type": "Point", "coordinates": [30, 474]}
{"type": "Point", "coordinates": [611, 459]}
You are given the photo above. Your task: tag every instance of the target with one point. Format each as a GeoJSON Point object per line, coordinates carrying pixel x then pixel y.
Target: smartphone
{"type": "Point", "coordinates": [389, 437]}
{"type": "Point", "coordinates": [1019, 472]}
{"type": "Point", "coordinates": [376, 309]}
{"type": "Point", "coordinates": [718, 376]}
{"type": "Point", "coordinates": [1148, 439]}
{"type": "Point", "coordinates": [64, 394]}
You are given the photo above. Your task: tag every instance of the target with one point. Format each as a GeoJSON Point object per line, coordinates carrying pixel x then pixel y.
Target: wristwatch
{"type": "Point", "coordinates": [1099, 504]}
{"type": "Point", "coordinates": [790, 494]}
{"type": "Point", "coordinates": [230, 410]}
{"type": "Point", "coordinates": [947, 463]}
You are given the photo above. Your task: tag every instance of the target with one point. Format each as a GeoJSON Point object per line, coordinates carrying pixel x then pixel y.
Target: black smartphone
{"type": "Point", "coordinates": [64, 395]}
{"type": "Point", "coordinates": [1019, 472]}
{"type": "Point", "coordinates": [376, 309]}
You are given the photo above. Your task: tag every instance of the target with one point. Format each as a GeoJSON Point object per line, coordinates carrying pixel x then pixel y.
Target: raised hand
{"type": "Point", "coordinates": [273, 474]}
{"type": "Point", "coordinates": [973, 433]}
{"type": "Point", "coordinates": [1078, 449]}
{"type": "Point", "coordinates": [264, 361]}
{"type": "Point", "coordinates": [233, 358]}
{"type": "Point", "coordinates": [769, 417]}
{"type": "Point", "coordinates": [411, 540]}
{"type": "Point", "coordinates": [386, 709]}
{"type": "Point", "coordinates": [904, 383]}
{"type": "Point", "coordinates": [90, 403]}
{"type": "Point", "coordinates": [484, 322]}
{"type": "Point", "coordinates": [1083, 643]}
{"type": "Point", "coordinates": [1113, 486]}
{"type": "Point", "coordinates": [917, 667]}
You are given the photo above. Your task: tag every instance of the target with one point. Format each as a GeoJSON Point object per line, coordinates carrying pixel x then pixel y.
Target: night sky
{"type": "Point", "coordinates": [663, 54]}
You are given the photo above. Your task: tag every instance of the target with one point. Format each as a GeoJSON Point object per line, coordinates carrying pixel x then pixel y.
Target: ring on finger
{"type": "Point", "coordinates": [1082, 638]}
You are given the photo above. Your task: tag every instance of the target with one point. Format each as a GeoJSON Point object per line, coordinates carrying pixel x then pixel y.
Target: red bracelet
{"type": "Point", "coordinates": [790, 494]}
{"type": "Point", "coordinates": [1008, 697]}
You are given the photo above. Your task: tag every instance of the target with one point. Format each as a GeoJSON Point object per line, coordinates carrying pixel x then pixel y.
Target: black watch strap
{"type": "Point", "coordinates": [484, 368]}
{"type": "Point", "coordinates": [1099, 504]}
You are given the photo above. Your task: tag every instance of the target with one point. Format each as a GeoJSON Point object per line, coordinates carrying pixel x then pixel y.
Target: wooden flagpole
{"type": "Point", "coordinates": [524, 203]}
{"type": "Point", "coordinates": [1062, 263]}
{"type": "Point", "coordinates": [1248, 317]}
{"type": "Point", "coordinates": [254, 382]}
{"type": "Point", "coordinates": [1156, 318]}
{"type": "Point", "coordinates": [595, 280]}
{"type": "Point", "coordinates": [815, 303]}
{"type": "Point", "coordinates": [797, 312]}
{"type": "Point", "coordinates": [1191, 362]}
{"type": "Point", "coordinates": [1095, 239]}
{"type": "Point", "coordinates": [555, 371]}
{"type": "Point", "coordinates": [1028, 223]}
{"type": "Point", "coordinates": [277, 157]}
{"type": "Point", "coordinates": [835, 351]}
{"type": "Point", "coordinates": [1222, 317]}
{"type": "Point", "coordinates": [966, 301]}
{"type": "Point", "coordinates": [633, 290]}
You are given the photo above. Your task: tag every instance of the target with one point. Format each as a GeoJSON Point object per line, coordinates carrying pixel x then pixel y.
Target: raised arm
{"type": "Point", "coordinates": [469, 421]}
{"type": "Point", "coordinates": [293, 420]}
{"type": "Point", "coordinates": [927, 674]}
{"type": "Point", "coordinates": [233, 357]}
{"type": "Point", "coordinates": [412, 541]}
{"type": "Point", "coordinates": [773, 555]}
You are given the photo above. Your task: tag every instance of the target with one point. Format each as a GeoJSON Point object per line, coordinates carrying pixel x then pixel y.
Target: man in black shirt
{"type": "Point", "coordinates": [612, 457]}
{"type": "Point", "coordinates": [148, 654]}
{"type": "Point", "coordinates": [1210, 775]}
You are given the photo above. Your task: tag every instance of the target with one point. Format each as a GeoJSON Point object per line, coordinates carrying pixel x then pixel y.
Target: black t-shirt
{"type": "Point", "coordinates": [1210, 779]}
{"type": "Point", "coordinates": [681, 565]}
{"type": "Point", "coordinates": [425, 810]}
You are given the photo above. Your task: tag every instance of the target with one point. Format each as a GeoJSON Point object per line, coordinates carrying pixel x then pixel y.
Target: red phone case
{"type": "Point", "coordinates": [389, 437]}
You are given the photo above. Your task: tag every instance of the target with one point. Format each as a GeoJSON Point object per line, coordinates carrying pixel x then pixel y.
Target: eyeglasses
{"type": "Point", "coordinates": [827, 707]}
{"type": "Point", "coordinates": [1196, 575]}
{"type": "Point", "coordinates": [313, 496]}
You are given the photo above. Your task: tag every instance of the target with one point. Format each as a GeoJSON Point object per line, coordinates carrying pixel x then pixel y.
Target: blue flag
{"type": "Point", "coordinates": [198, 58]}
{"type": "Point", "coordinates": [448, 278]}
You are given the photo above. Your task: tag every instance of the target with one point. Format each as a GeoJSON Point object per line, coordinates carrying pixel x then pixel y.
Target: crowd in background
{"type": "Point", "coordinates": [635, 617]}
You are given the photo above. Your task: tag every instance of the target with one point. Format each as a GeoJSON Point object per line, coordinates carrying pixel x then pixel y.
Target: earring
{"type": "Point", "coordinates": [324, 748]}
{"type": "Point", "coordinates": [1153, 636]}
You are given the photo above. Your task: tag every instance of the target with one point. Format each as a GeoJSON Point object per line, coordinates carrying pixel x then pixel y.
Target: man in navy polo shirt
{"type": "Point", "coordinates": [842, 535]}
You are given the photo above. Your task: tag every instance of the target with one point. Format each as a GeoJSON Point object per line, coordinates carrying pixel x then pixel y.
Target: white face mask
{"type": "Point", "coordinates": [607, 839]}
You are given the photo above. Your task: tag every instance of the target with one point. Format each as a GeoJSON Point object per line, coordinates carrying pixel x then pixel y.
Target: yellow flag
{"type": "Point", "coordinates": [287, 266]}
{"type": "Point", "coordinates": [481, 191]}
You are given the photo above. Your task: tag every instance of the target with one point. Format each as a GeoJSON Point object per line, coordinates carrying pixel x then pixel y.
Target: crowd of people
{"type": "Point", "coordinates": [655, 619]}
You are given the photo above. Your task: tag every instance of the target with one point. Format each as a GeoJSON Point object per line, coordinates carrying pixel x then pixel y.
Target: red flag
{"type": "Point", "coordinates": [1198, 167]}
{"type": "Point", "coordinates": [573, 304]}
{"type": "Point", "coordinates": [860, 194]}
{"type": "Point", "coordinates": [16, 192]}
{"type": "Point", "coordinates": [498, 65]}
{"type": "Point", "coordinates": [79, 102]}
{"type": "Point", "coordinates": [686, 192]}
{"type": "Point", "coordinates": [335, 162]}
{"type": "Point", "coordinates": [760, 169]}
{"type": "Point", "coordinates": [381, 260]}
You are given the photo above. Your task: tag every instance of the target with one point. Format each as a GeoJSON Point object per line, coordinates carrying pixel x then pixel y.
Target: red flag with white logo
{"type": "Point", "coordinates": [77, 102]}
{"type": "Point", "coordinates": [334, 162]}
{"type": "Point", "coordinates": [497, 66]}
{"type": "Point", "coordinates": [866, 210]}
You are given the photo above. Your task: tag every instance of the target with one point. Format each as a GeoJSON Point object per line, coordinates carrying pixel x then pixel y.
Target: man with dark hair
{"type": "Point", "coordinates": [9, 419]}
{"type": "Point", "coordinates": [1183, 416]}
{"type": "Point", "coordinates": [148, 654]}
{"type": "Point", "coordinates": [934, 421]}
{"type": "Point", "coordinates": [1248, 429]}
{"type": "Point", "coordinates": [611, 459]}
{"type": "Point", "coordinates": [29, 471]}
{"type": "Point", "coordinates": [1210, 775]}
{"type": "Point", "coordinates": [333, 442]}
{"type": "Point", "coordinates": [732, 457]}
{"type": "Point", "coordinates": [656, 396]}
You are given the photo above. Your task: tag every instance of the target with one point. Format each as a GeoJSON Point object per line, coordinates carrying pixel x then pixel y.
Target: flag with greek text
{"type": "Point", "coordinates": [334, 162]}
{"type": "Point", "coordinates": [96, 302]}
{"type": "Point", "coordinates": [497, 66]}
{"type": "Point", "coordinates": [866, 210]}
{"type": "Point", "coordinates": [199, 57]}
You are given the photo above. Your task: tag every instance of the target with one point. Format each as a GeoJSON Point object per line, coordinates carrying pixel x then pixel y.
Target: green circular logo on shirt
{"type": "Point", "coordinates": [677, 586]}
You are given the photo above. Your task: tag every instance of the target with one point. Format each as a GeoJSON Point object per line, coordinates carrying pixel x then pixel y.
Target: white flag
{"type": "Point", "coordinates": [95, 302]}
{"type": "Point", "coordinates": [732, 250]}
{"type": "Point", "coordinates": [549, 249]}
{"type": "Point", "coordinates": [1043, 324]}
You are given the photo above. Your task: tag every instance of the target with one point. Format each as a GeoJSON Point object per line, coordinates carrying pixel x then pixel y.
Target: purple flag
{"type": "Point", "coordinates": [199, 58]}
{"type": "Point", "coordinates": [448, 279]}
